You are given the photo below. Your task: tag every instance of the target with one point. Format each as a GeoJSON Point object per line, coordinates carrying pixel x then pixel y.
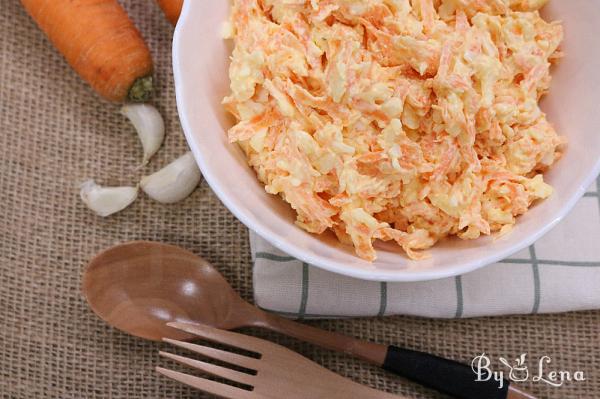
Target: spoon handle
{"type": "Point", "coordinates": [447, 376]}
{"type": "Point", "coordinates": [369, 351]}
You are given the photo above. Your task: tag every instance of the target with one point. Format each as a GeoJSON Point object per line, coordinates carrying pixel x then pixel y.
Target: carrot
{"type": "Point", "coordinates": [101, 44]}
{"type": "Point", "coordinates": [172, 9]}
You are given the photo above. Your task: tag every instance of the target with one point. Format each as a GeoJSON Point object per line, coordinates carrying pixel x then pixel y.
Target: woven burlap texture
{"type": "Point", "coordinates": [55, 133]}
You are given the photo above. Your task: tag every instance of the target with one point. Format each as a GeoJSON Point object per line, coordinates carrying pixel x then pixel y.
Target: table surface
{"type": "Point", "coordinates": [54, 134]}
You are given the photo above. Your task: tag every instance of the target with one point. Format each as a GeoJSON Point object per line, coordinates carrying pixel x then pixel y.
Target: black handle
{"type": "Point", "coordinates": [447, 376]}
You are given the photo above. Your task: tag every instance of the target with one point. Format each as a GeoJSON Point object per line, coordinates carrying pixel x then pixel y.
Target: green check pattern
{"type": "Point", "coordinates": [559, 273]}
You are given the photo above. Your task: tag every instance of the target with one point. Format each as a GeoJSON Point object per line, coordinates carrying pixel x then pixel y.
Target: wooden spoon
{"type": "Point", "coordinates": [139, 287]}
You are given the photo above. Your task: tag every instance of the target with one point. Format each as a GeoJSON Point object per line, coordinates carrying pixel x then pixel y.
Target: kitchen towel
{"type": "Point", "coordinates": [559, 273]}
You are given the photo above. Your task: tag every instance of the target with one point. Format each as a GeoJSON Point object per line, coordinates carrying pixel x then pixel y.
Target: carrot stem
{"type": "Point", "coordinates": [141, 90]}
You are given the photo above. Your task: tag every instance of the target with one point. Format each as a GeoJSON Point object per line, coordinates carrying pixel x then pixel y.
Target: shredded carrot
{"type": "Point", "coordinates": [405, 121]}
{"type": "Point", "coordinates": [101, 44]}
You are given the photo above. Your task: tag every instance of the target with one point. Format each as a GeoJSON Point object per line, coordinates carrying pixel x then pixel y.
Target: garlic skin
{"type": "Point", "coordinates": [105, 201]}
{"type": "Point", "coordinates": [174, 182]}
{"type": "Point", "coordinates": [149, 125]}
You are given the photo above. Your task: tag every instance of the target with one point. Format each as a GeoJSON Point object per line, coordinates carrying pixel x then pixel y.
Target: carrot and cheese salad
{"type": "Point", "coordinates": [395, 120]}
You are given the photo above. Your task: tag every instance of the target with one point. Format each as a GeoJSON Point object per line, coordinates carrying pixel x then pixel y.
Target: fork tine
{"type": "Point", "coordinates": [217, 354]}
{"type": "Point", "coordinates": [212, 387]}
{"type": "Point", "coordinates": [223, 372]}
{"type": "Point", "coordinates": [223, 337]}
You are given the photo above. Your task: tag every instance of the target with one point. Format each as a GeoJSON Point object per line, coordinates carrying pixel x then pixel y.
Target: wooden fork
{"type": "Point", "coordinates": [277, 373]}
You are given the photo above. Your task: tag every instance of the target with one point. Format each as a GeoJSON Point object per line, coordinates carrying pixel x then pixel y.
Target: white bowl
{"type": "Point", "coordinates": [200, 59]}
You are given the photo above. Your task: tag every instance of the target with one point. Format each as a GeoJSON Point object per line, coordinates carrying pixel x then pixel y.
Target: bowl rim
{"type": "Point", "coordinates": [323, 262]}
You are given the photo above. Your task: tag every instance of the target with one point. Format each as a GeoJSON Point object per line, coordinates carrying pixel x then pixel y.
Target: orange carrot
{"type": "Point", "coordinates": [172, 9]}
{"type": "Point", "coordinates": [100, 42]}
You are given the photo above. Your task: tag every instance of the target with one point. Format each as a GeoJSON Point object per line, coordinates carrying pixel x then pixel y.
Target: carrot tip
{"type": "Point", "coordinates": [141, 90]}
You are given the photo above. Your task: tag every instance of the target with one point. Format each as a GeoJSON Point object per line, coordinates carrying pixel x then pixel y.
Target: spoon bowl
{"type": "Point", "coordinates": [140, 286]}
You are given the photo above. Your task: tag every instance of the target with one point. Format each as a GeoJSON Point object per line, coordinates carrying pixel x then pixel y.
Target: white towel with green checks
{"type": "Point", "coordinates": [560, 273]}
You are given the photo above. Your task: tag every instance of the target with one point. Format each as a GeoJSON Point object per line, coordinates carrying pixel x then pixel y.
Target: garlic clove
{"type": "Point", "coordinates": [149, 125]}
{"type": "Point", "coordinates": [174, 182]}
{"type": "Point", "coordinates": [105, 201]}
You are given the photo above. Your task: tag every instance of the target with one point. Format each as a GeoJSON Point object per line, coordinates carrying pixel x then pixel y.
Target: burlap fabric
{"type": "Point", "coordinates": [54, 133]}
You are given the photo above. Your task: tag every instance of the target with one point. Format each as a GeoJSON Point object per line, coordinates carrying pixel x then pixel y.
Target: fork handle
{"type": "Point", "coordinates": [447, 376]}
